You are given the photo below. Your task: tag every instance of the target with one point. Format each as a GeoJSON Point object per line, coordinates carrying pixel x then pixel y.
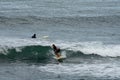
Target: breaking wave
{"type": "Point", "coordinates": [39, 53]}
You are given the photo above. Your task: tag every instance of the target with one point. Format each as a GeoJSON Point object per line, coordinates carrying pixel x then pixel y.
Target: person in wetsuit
{"type": "Point", "coordinates": [34, 36]}
{"type": "Point", "coordinates": [56, 50]}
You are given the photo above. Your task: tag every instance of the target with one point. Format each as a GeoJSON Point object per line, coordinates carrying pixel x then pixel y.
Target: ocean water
{"type": "Point", "coordinates": [87, 31]}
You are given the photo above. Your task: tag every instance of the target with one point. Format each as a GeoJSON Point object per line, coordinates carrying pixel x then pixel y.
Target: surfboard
{"type": "Point", "coordinates": [61, 57]}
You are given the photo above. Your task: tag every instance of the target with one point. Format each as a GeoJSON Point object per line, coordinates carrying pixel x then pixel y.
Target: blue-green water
{"type": "Point", "coordinates": [87, 31]}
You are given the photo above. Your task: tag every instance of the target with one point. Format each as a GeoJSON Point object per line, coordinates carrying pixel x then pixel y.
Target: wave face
{"type": "Point", "coordinates": [30, 53]}
{"type": "Point", "coordinates": [33, 53]}
{"type": "Point", "coordinates": [40, 50]}
{"type": "Point", "coordinates": [44, 54]}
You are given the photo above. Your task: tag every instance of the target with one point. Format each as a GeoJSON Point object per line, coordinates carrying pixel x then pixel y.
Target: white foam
{"type": "Point", "coordinates": [97, 70]}
{"type": "Point", "coordinates": [85, 47]}
{"type": "Point", "coordinates": [18, 43]}
{"type": "Point", "coordinates": [92, 48]}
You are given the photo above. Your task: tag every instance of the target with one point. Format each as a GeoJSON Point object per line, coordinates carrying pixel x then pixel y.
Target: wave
{"type": "Point", "coordinates": [68, 20]}
{"type": "Point", "coordinates": [30, 53]}
{"type": "Point", "coordinates": [86, 48]}
{"type": "Point", "coordinates": [43, 54]}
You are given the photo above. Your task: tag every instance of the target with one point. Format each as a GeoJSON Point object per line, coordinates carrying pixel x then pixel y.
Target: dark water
{"type": "Point", "coordinates": [87, 31]}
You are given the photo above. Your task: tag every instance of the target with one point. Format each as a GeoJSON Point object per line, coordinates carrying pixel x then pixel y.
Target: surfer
{"type": "Point", "coordinates": [56, 50]}
{"type": "Point", "coordinates": [34, 36]}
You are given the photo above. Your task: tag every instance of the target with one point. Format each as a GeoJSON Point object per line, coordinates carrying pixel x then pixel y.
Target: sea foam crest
{"type": "Point", "coordinates": [92, 48]}
{"type": "Point", "coordinates": [86, 47]}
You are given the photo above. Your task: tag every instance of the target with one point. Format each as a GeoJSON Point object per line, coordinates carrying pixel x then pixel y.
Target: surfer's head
{"type": "Point", "coordinates": [53, 46]}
